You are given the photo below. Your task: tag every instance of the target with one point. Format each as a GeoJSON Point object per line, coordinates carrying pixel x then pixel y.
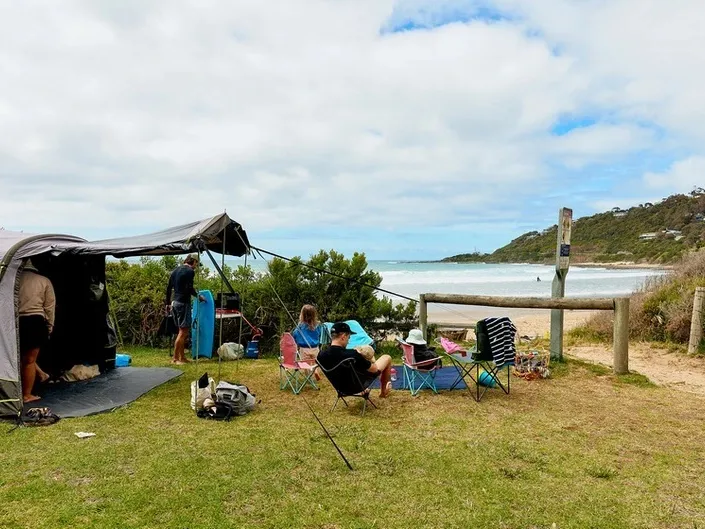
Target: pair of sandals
{"type": "Point", "coordinates": [39, 417]}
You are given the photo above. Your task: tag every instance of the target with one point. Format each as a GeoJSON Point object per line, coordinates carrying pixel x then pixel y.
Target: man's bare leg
{"type": "Point", "coordinates": [43, 375]}
{"type": "Point", "coordinates": [384, 364]}
{"type": "Point", "coordinates": [179, 345]}
{"type": "Point", "coordinates": [29, 374]}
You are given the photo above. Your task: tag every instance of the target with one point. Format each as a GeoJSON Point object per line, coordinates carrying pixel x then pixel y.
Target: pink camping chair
{"type": "Point", "coordinates": [293, 373]}
{"type": "Point", "coordinates": [424, 372]}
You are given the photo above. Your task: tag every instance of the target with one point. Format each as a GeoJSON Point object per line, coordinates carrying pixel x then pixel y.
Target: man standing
{"type": "Point", "coordinates": [181, 283]}
{"type": "Point", "coordinates": [337, 352]}
{"type": "Point", "coordinates": [37, 303]}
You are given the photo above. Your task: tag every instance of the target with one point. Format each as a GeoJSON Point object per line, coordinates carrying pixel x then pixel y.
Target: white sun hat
{"type": "Point", "coordinates": [415, 337]}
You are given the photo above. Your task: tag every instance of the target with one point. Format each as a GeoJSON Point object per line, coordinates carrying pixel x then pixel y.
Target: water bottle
{"type": "Point", "coordinates": [394, 375]}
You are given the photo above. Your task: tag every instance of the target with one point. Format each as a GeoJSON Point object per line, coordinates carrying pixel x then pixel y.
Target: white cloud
{"type": "Point", "coordinates": [682, 176]}
{"type": "Point", "coordinates": [301, 114]}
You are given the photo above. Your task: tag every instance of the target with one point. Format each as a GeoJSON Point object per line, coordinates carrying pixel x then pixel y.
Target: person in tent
{"type": "Point", "coordinates": [338, 351]}
{"type": "Point", "coordinates": [37, 303]}
{"type": "Point", "coordinates": [181, 284]}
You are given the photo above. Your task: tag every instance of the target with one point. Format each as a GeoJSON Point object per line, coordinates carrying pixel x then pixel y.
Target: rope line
{"type": "Point", "coordinates": [324, 271]}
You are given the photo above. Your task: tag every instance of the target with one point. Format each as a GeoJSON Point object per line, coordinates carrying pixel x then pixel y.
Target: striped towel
{"type": "Point", "coordinates": [501, 332]}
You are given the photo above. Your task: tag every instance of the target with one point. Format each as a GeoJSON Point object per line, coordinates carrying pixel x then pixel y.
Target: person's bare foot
{"type": "Point", "coordinates": [30, 398]}
{"type": "Point", "coordinates": [387, 390]}
{"type": "Point", "coordinates": [43, 377]}
{"type": "Point", "coordinates": [178, 362]}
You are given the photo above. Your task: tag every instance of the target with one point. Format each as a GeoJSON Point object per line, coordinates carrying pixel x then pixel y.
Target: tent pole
{"type": "Point", "coordinates": [198, 322]}
{"type": "Point", "coordinates": [222, 303]}
{"type": "Point", "coordinates": [242, 317]}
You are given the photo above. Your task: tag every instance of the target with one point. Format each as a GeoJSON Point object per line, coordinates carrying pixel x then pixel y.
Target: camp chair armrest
{"type": "Point", "coordinates": [423, 363]}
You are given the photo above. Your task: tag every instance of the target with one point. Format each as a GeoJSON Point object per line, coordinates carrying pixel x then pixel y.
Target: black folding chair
{"type": "Point", "coordinates": [349, 382]}
{"type": "Point", "coordinates": [468, 365]}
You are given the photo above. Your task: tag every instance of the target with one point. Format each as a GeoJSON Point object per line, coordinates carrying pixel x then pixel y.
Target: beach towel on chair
{"type": "Point", "coordinates": [501, 333]}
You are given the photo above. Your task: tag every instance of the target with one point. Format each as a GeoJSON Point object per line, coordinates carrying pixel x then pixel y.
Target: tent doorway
{"type": "Point", "coordinates": [83, 333]}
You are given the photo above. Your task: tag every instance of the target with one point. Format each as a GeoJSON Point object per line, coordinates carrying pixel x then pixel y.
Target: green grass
{"type": "Point", "coordinates": [583, 449]}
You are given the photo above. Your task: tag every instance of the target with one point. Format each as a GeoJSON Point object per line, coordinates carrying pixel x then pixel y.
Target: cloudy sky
{"type": "Point", "coordinates": [404, 129]}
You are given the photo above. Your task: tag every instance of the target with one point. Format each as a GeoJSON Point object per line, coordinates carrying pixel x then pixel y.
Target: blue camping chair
{"type": "Point", "coordinates": [359, 338]}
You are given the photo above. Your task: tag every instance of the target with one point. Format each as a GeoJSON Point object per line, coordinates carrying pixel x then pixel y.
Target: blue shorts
{"type": "Point", "coordinates": [181, 312]}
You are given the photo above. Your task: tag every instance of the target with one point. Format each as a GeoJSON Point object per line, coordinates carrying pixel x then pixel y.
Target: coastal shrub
{"type": "Point", "coordinates": [662, 310]}
{"type": "Point", "coordinates": [271, 299]}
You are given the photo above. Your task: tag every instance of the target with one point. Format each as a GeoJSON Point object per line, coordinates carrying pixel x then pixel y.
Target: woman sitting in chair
{"type": "Point", "coordinates": [422, 351]}
{"type": "Point", "coordinates": [307, 334]}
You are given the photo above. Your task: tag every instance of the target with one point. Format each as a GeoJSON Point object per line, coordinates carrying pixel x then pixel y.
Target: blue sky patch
{"type": "Point", "coordinates": [407, 17]}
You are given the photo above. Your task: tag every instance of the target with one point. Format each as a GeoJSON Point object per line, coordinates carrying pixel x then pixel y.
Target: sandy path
{"type": "Point", "coordinates": [662, 367]}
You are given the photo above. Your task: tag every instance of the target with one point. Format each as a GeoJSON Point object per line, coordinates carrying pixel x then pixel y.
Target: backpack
{"type": "Point", "coordinates": [237, 396]}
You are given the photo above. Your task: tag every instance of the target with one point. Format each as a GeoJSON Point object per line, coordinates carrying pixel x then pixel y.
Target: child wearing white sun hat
{"type": "Point", "coordinates": [422, 351]}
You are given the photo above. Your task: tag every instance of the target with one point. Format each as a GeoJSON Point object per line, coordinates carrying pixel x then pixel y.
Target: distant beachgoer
{"type": "Point", "coordinates": [538, 279]}
{"type": "Point", "coordinates": [181, 283]}
{"type": "Point", "coordinates": [36, 316]}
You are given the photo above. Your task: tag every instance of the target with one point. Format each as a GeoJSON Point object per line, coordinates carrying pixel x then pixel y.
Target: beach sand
{"type": "Point", "coordinates": [529, 322]}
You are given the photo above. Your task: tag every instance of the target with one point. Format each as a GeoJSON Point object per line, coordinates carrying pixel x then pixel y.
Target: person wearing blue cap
{"type": "Point", "coordinates": [338, 351]}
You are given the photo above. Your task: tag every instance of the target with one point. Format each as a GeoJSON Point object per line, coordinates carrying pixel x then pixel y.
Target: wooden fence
{"type": "Point", "coordinates": [620, 306]}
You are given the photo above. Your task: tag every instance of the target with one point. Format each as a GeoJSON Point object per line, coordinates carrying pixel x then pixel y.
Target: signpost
{"type": "Point", "coordinates": [565, 221]}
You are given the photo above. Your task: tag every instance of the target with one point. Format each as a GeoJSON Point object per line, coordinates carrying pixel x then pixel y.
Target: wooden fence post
{"type": "Point", "coordinates": [423, 315]}
{"type": "Point", "coordinates": [696, 322]}
{"type": "Point", "coordinates": [621, 336]}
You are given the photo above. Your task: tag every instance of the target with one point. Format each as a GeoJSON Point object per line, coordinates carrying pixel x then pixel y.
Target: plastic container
{"type": "Point", "coordinates": [122, 360]}
{"type": "Point", "coordinates": [394, 375]}
{"type": "Point", "coordinates": [252, 350]}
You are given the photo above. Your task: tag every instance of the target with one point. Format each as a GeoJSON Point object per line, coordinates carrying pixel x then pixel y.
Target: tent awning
{"type": "Point", "coordinates": [192, 237]}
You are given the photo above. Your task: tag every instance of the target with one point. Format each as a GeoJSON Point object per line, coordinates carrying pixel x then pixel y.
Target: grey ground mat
{"type": "Point", "coordinates": [115, 388]}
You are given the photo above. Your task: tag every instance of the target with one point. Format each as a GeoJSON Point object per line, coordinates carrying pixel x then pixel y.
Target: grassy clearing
{"type": "Point", "coordinates": [584, 449]}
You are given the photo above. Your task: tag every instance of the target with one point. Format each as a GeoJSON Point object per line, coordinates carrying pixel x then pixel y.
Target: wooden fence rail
{"type": "Point", "coordinates": [620, 306]}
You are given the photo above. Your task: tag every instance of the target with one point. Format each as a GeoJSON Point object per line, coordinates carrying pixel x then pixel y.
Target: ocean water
{"type": "Point", "coordinates": [414, 278]}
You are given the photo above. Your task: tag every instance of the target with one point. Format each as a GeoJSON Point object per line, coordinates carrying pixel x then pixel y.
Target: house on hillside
{"type": "Point", "coordinates": [647, 236]}
{"type": "Point", "coordinates": [699, 217]}
{"type": "Point", "coordinates": [619, 213]}
{"type": "Point", "coordinates": [671, 233]}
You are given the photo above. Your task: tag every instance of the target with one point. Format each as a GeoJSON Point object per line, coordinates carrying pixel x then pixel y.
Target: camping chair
{"type": "Point", "coordinates": [424, 371]}
{"type": "Point", "coordinates": [359, 338]}
{"type": "Point", "coordinates": [468, 363]}
{"type": "Point", "coordinates": [348, 382]}
{"type": "Point", "coordinates": [293, 373]}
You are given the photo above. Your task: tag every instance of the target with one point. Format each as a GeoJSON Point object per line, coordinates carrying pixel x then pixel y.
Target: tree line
{"type": "Point", "coordinates": [271, 300]}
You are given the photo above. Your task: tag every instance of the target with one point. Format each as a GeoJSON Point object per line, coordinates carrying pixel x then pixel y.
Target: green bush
{"type": "Point", "coordinates": [271, 300]}
{"type": "Point", "coordinates": [663, 310]}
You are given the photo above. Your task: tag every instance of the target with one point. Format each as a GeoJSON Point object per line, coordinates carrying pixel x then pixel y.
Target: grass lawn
{"type": "Point", "coordinates": [583, 449]}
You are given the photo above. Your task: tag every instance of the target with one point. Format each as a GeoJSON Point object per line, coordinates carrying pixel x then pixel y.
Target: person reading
{"type": "Point", "coordinates": [338, 351]}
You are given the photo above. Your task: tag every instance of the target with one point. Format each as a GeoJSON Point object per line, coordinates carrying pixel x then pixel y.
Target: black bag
{"type": "Point", "coordinates": [168, 326]}
{"type": "Point", "coordinates": [222, 411]}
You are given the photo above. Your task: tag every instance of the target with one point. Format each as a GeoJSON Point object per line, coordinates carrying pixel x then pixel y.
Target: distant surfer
{"type": "Point", "coordinates": [538, 279]}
